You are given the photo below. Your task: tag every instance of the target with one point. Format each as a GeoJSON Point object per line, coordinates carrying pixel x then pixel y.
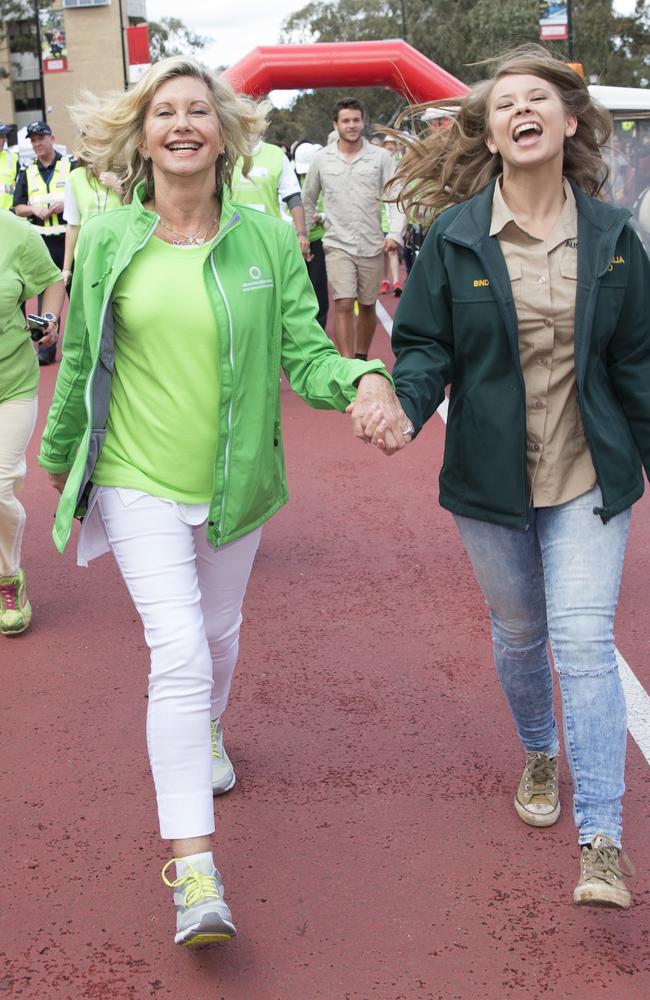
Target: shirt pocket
{"type": "Point", "coordinates": [333, 179]}
{"type": "Point", "coordinates": [569, 264]}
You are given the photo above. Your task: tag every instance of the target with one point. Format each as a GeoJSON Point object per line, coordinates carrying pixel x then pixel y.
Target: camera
{"type": "Point", "coordinates": [37, 325]}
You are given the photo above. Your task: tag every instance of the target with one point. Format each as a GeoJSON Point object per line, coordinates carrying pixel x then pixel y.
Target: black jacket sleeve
{"type": "Point", "coordinates": [422, 336]}
{"type": "Point", "coordinates": [20, 192]}
{"type": "Point", "coordinates": [628, 352]}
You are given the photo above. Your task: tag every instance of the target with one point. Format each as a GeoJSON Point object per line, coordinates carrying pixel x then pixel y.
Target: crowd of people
{"type": "Point", "coordinates": [183, 237]}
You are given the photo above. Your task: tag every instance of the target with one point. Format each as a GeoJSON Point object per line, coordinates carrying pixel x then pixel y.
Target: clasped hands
{"type": "Point", "coordinates": [377, 416]}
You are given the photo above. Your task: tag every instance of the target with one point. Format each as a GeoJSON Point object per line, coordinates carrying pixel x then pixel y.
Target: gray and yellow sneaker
{"type": "Point", "coordinates": [202, 915]}
{"type": "Point", "coordinates": [15, 609]}
{"type": "Point", "coordinates": [223, 773]}
{"type": "Point", "coordinates": [537, 799]}
{"type": "Point", "coordinates": [603, 867]}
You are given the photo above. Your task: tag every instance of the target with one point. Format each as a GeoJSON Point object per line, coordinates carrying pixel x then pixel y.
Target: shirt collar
{"type": "Point", "coordinates": [361, 152]}
{"type": "Point", "coordinates": [565, 228]}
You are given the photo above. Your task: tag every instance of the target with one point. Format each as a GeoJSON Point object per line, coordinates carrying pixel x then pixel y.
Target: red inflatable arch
{"type": "Point", "coordinates": [394, 64]}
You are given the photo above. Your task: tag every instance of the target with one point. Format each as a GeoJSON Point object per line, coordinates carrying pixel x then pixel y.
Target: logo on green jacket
{"type": "Point", "coordinates": [257, 281]}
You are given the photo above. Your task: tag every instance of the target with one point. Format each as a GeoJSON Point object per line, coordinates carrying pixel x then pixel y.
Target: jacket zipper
{"type": "Point", "coordinates": [231, 340]}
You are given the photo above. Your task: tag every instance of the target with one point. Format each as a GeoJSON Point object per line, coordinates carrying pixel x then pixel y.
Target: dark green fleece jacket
{"type": "Point", "coordinates": [457, 325]}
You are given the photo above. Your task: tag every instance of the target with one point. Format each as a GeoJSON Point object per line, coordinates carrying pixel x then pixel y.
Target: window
{"type": "Point", "coordinates": [28, 96]}
{"type": "Point", "coordinates": [86, 3]}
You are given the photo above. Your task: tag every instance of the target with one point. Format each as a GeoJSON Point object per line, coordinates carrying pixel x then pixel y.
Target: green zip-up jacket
{"type": "Point", "coordinates": [264, 308]}
{"type": "Point", "coordinates": [456, 325]}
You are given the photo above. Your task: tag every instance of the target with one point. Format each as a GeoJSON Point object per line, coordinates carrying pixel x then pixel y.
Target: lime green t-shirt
{"type": "Point", "coordinates": [161, 435]}
{"type": "Point", "coordinates": [26, 268]}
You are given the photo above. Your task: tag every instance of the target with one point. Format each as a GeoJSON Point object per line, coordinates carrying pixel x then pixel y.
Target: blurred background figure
{"type": "Point", "coordinates": [270, 182]}
{"type": "Point", "coordinates": [8, 170]}
{"type": "Point", "coordinates": [86, 194]}
{"type": "Point", "coordinates": [39, 198]}
{"type": "Point", "coordinates": [26, 269]}
{"type": "Point", "coordinates": [303, 154]}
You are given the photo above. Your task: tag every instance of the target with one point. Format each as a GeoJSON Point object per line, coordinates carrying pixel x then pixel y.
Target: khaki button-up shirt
{"type": "Point", "coordinates": [352, 191]}
{"type": "Point", "coordinates": [543, 276]}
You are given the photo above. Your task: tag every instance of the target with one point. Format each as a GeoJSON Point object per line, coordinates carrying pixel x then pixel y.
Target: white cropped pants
{"type": "Point", "coordinates": [189, 596]}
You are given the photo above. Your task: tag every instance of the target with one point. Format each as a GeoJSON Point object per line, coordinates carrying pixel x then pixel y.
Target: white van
{"type": "Point", "coordinates": [629, 156]}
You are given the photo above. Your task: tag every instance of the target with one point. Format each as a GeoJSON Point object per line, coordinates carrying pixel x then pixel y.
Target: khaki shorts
{"type": "Point", "coordinates": [354, 277]}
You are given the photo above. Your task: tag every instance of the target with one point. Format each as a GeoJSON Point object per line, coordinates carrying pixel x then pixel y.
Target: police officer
{"type": "Point", "coordinates": [39, 198]}
{"type": "Point", "coordinates": [8, 170]}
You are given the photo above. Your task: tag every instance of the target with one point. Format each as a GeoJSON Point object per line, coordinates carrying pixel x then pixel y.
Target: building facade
{"type": "Point", "coordinates": [83, 47]}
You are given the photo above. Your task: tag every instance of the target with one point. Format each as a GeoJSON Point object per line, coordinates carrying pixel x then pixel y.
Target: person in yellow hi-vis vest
{"type": "Point", "coordinates": [270, 181]}
{"type": "Point", "coordinates": [39, 198]}
{"type": "Point", "coordinates": [86, 194]}
{"type": "Point", "coordinates": [8, 170]}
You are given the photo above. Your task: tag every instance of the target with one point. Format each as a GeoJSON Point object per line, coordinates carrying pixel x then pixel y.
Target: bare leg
{"type": "Point", "coordinates": [191, 845]}
{"type": "Point", "coordinates": [344, 326]}
{"type": "Point", "coordinates": [366, 324]}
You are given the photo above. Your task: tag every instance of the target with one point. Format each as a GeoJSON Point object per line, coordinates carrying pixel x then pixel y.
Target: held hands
{"type": "Point", "coordinates": [377, 417]}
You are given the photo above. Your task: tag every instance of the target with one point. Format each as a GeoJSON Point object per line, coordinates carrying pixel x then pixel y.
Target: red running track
{"type": "Point", "coordinates": [370, 849]}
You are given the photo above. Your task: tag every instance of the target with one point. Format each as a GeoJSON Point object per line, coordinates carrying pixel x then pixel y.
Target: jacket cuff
{"type": "Point", "coordinates": [51, 466]}
{"type": "Point", "coordinates": [373, 368]}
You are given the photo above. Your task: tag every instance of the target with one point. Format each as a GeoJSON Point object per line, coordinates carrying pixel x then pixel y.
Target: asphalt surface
{"type": "Point", "coordinates": [370, 850]}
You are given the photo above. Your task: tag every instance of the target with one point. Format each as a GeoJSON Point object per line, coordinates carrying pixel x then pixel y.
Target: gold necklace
{"type": "Point", "coordinates": [193, 239]}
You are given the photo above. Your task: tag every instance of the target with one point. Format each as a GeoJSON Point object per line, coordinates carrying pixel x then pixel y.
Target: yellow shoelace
{"type": "Point", "coordinates": [198, 887]}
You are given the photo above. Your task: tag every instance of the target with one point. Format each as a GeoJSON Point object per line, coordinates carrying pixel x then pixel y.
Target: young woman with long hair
{"type": "Point", "coordinates": [531, 299]}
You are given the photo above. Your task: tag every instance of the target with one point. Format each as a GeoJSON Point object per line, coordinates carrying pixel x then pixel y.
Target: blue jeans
{"type": "Point", "coordinates": [559, 581]}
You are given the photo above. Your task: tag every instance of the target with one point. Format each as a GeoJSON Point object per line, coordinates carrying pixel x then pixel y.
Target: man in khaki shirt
{"type": "Point", "coordinates": [351, 173]}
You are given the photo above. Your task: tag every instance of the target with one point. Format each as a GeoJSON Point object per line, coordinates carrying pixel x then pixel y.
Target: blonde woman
{"type": "Point", "coordinates": [165, 431]}
{"type": "Point", "coordinates": [531, 298]}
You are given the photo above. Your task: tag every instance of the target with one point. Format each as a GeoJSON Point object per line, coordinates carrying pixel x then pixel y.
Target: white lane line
{"type": "Point", "coordinates": [384, 318]}
{"type": "Point", "coordinates": [636, 697]}
{"type": "Point", "coordinates": [638, 707]}
{"type": "Point", "coordinates": [386, 321]}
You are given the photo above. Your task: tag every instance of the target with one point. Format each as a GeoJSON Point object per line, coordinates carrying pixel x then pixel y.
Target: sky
{"type": "Point", "coordinates": [237, 26]}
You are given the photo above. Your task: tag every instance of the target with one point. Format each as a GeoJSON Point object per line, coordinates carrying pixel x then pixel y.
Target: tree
{"type": "Point", "coordinates": [171, 37]}
{"type": "Point", "coordinates": [613, 49]}
{"type": "Point", "coordinates": [457, 34]}
{"type": "Point", "coordinates": [22, 14]}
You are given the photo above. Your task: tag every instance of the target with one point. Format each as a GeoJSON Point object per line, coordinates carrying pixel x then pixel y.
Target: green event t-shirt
{"type": "Point", "coordinates": [26, 269]}
{"type": "Point", "coordinates": [163, 419]}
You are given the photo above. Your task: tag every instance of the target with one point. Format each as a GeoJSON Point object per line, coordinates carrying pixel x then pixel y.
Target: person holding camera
{"type": "Point", "coordinates": [38, 197]}
{"type": "Point", "coordinates": [26, 269]}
